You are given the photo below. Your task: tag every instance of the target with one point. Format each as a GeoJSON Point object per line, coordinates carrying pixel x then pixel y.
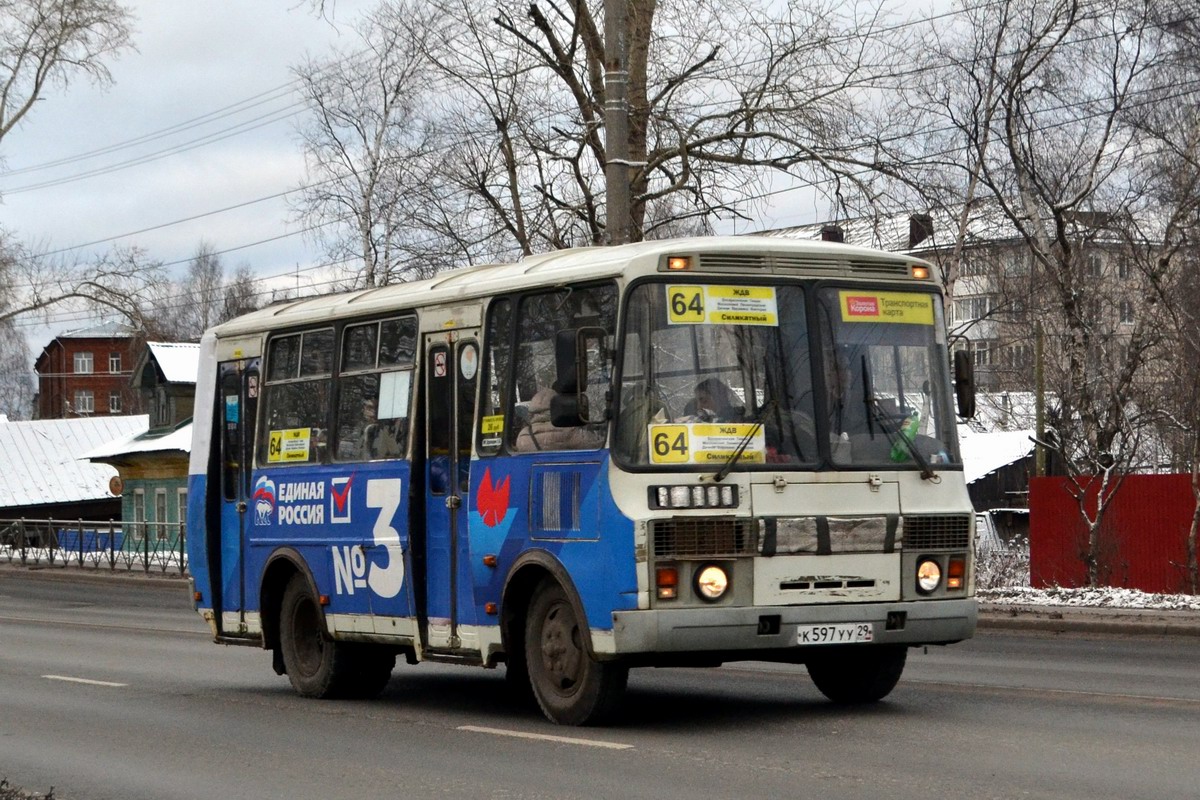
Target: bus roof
{"type": "Point", "coordinates": [567, 266]}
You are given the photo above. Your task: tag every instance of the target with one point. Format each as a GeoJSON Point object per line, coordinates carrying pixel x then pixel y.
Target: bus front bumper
{"type": "Point", "coordinates": [777, 628]}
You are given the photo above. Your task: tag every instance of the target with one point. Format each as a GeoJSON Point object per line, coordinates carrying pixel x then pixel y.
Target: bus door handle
{"type": "Point", "coordinates": [453, 502]}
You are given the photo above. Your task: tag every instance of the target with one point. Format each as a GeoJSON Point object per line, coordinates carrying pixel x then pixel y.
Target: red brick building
{"type": "Point", "coordinates": [87, 372]}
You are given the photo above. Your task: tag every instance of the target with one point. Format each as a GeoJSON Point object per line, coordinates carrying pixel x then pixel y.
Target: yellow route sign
{"type": "Point", "coordinates": [695, 304]}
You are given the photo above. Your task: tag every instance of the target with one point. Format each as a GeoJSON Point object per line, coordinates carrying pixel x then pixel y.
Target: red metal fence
{"type": "Point", "coordinates": [1143, 537]}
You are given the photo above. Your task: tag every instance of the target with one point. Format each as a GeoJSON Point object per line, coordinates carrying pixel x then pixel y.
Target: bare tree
{"type": "Point", "coordinates": [364, 140]}
{"type": "Point", "coordinates": [118, 281]}
{"type": "Point", "coordinates": [1172, 173]}
{"type": "Point", "coordinates": [182, 310]}
{"type": "Point", "coordinates": [46, 42]}
{"type": "Point", "coordinates": [1041, 102]}
{"type": "Point", "coordinates": [16, 373]}
{"type": "Point", "coordinates": [240, 295]}
{"type": "Point", "coordinates": [722, 95]}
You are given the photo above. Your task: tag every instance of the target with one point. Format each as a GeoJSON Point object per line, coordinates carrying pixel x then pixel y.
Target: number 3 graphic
{"type": "Point", "coordinates": [384, 494]}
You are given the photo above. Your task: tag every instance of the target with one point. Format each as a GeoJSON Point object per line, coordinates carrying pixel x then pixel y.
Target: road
{"type": "Point", "coordinates": [168, 714]}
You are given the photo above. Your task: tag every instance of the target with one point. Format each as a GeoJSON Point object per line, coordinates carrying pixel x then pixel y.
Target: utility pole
{"type": "Point", "coordinates": [616, 119]}
{"type": "Point", "coordinates": [1039, 380]}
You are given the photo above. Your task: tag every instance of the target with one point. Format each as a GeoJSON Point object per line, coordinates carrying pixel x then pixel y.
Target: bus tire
{"type": "Point", "coordinates": [316, 665]}
{"type": "Point", "coordinates": [571, 687]}
{"type": "Point", "coordinates": [858, 675]}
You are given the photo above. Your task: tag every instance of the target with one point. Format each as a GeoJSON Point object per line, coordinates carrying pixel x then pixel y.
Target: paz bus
{"type": "Point", "coordinates": [683, 452]}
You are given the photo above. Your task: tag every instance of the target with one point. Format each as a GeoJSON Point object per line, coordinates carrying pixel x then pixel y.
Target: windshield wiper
{"type": "Point", "coordinates": [724, 471]}
{"type": "Point", "coordinates": [874, 410]}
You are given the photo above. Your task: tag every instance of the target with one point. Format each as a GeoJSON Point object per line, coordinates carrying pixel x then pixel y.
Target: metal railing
{"type": "Point", "coordinates": [150, 546]}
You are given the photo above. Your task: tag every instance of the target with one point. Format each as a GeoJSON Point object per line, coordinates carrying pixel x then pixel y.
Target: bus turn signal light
{"type": "Point", "coordinates": [678, 263]}
{"type": "Point", "coordinates": [955, 573]}
{"type": "Point", "coordinates": [667, 580]}
{"type": "Point", "coordinates": [920, 273]}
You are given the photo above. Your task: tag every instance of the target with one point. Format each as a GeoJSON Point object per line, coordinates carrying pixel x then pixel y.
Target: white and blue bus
{"type": "Point", "coordinates": [679, 452]}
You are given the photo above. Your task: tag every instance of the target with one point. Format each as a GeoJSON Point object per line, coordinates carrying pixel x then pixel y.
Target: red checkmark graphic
{"type": "Point", "coordinates": [339, 498]}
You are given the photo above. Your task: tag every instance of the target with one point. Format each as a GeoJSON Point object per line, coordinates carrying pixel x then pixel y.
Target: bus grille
{"type": "Point", "coordinates": [937, 533]}
{"type": "Point", "coordinates": [699, 536]}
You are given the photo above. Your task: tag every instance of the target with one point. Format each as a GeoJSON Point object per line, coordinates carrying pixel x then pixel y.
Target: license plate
{"type": "Point", "coordinates": [843, 633]}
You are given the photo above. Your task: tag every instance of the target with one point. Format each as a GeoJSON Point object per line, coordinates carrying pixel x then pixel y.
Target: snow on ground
{"type": "Point", "coordinates": [1102, 597]}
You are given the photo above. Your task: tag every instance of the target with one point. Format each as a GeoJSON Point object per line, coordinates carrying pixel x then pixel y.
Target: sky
{"type": "Point", "coordinates": [194, 142]}
{"type": "Point", "coordinates": [215, 71]}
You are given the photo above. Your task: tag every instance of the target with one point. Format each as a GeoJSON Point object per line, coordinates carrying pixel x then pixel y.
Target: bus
{"type": "Point", "coordinates": [683, 452]}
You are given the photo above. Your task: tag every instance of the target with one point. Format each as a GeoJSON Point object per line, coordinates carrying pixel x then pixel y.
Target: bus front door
{"type": "Point", "coordinates": [237, 393]}
{"type": "Point", "coordinates": [451, 368]}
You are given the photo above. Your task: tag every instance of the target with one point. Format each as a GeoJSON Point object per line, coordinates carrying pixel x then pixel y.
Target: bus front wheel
{"type": "Point", "coordinates": [316, 665]}
{"type": "Point", "coordinates": [571, 687]}
{"type": "Point", "coordinates": [858, 675]}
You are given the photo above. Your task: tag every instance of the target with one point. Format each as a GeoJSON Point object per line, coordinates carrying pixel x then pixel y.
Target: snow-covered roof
{"type": "Point", "coordinates": [101, 330]}
{"type": "Point", "coordinates": [984, 453]}
{"type": "Point", "coordinates": [178, 361]}
{"type": "Point", "coordinates": [40, 459]}
{"type": "Point", "coordinates": [178, 440]}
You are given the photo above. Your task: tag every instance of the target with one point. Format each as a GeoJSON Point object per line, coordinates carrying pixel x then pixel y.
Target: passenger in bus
{"type": "Point", "coordinates": [715, 402]}
{"type": "Point", "coordinates": [542, 434]}
{"type": "Point", "coordinates": [379, 439]}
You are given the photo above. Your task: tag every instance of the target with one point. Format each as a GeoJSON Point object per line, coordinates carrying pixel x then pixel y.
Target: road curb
{"type": "Point", "coordinates": [1072, 619]}
{"type": "Point", "coordinates": [99, 576]}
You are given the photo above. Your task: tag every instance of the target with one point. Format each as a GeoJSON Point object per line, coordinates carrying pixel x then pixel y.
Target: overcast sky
{"type": "Point", "coordinates": [201, 118]}
{"type": "Point", "coordinates": [231, 57]}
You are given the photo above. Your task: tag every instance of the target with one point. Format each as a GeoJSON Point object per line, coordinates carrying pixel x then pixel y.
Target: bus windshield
{"type": "Point", "coordinates": [713, 370]}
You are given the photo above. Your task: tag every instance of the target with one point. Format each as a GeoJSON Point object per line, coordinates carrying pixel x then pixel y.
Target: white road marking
{"type": "Point", "coordinates": [88, 681]}
{"type": "Point", "coordinates": [545, 737]}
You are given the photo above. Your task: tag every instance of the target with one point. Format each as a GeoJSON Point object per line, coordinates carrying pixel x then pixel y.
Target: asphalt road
{"type": "Point", "coordinates": [164, 713]}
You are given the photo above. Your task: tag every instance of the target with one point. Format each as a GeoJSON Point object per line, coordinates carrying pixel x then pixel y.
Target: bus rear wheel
{"type": "Point", "coordinates": [858, 675]}
{"type": "Point", "coordinates": [571, 687]}
{"type": "Point", "coordinates": [316, 665]}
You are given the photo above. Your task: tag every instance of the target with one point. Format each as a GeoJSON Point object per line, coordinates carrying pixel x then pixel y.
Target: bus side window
{"type": "Point", "coordinates": [296, 393]}
{"type": "Point", "coordinates": [373, 395]}
{"type": "Point", "coordinates": [496, 364]}
{"type": "Point", "coordinates": [539, 320]}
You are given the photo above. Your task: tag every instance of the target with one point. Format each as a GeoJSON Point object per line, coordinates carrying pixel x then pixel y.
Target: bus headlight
{"type": "Point", "coordinates": [929, 576]}
{"type": "Point", "coordinates": [711, 582]}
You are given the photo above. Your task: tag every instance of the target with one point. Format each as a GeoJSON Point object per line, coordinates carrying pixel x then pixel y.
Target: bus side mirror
{"type": "Point", "coordinates": [964, 383]}
{"type": "Point", "coordinates": [569, 410]}
{"type": "Point", "coordinates": [577, 353]}
{"type": "Point", "coordinates": [571, 371]}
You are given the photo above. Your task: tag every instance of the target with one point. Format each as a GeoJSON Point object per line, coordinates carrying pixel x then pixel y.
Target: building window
{"type": "Point", "coordinates": [163, 411]}
{"type": "Point", "coordinates": [982, 353]}
{"type": "Point", "coordinates": [1094, 265]}
{"type": "Point", "coordinates": [114, 403]}
{"type": "Point", "coordinates": [181, 507]}
{"type": "Point", "coordinates": [83, 363]}
{"type": "Point", "coordinates": [85, 401]}
{"type": "Point", "coordinates": [1017, 263]}
{"type": "Point", "coordinates": [114, 362]}
{"type": "Point", "coordinates": [1017, 356]}
{"type": "Point", "coordinates": [160, 514]}
{"type": "Point", "coordinates": [1126, 311]}
{"type": "Point", "coordinates": [139, 515]}
{"type": "Point", "coordinates": [1123, 267]}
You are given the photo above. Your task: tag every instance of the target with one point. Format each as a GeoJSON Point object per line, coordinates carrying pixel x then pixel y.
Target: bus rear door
{"type": "Point", "coordinates": [451, 369]}
{"type": "Point", "coordinates": [237, 404]}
